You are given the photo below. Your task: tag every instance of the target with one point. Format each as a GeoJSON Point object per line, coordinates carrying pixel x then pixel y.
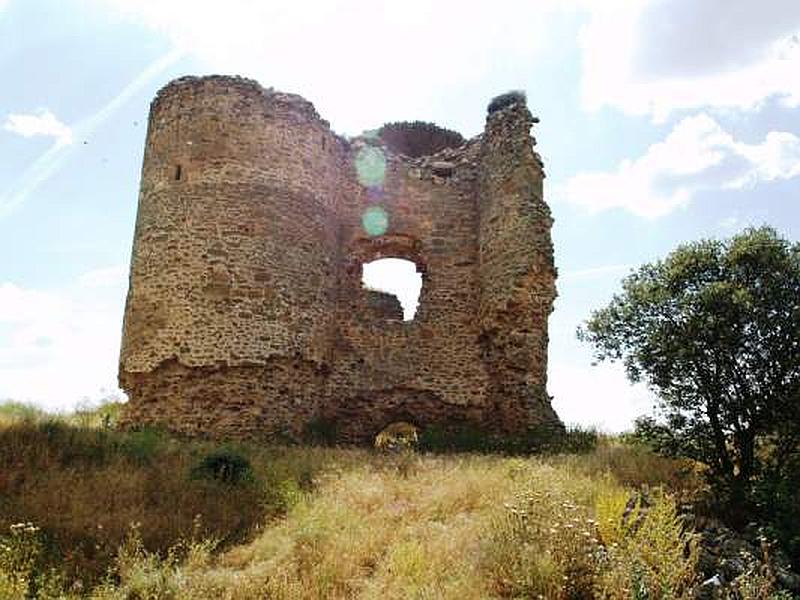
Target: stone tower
{"type": "Point", "coordinates": [246, 315]}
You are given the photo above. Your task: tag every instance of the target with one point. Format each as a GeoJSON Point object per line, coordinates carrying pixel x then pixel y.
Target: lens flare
{"type": "Point", "coordinates": [370, 166]}
{"type": "Point", "coordinates": [375, 221]}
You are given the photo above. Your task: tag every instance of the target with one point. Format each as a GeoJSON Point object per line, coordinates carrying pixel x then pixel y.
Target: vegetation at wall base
{"type": "Point", "coordinates": [546, 439]}
{"type": "Point", "coordinates": [321, 431]}
{"type": "Point", "coordinates": [225, 466]}
{"type": "Point", "coordinates": [89, 512]}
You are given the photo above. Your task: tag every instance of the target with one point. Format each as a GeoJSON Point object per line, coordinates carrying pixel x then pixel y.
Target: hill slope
{"type": "Point", "coordinates": [89, 512]}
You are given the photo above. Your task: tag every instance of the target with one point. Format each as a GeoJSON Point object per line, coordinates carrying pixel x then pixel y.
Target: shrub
{"type": "Point", "coordinates": [505, 100]}
{"type": "Point", "coordinates": [635, 466]}
{"type": "Point", "coordinates": [53, 429]}
{"type": "Point", "coordinates": [543, 439]}
{"type": "Point", "coordinates": [23, 568]}
{"type": "Point", "coordinates": [225, 466]}
{"type": "Point", "coordinates": [777, 494]}
{"type": "Point", "coordinates": [139, 573]}
{"type": "Point", "coordinates": [321, 431]}
{"type": "Point", "coordinates": [466, 438]}
{"type": "Point", "coordinates": [75, 446]}
{"type": "Point", "coordinates": [575, 440]}
{"type": "Point", "coordinates": [574, 537]}
{"type": "Point", "coordinates": [142, 446]}
{"type": "Point", "coordinates": [645, 549]}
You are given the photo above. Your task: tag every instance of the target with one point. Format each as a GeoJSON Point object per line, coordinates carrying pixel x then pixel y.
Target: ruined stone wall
{"type": "Point", "coordinates": [517, 273]}
{"type": "Point", "coordinates": [429, 370]}
{"type": "Point", "coordinates": [246, 314]}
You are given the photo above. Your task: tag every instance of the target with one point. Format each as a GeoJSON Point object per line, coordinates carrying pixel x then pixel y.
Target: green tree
{"type": "Point", "coordinates": [714, 330]}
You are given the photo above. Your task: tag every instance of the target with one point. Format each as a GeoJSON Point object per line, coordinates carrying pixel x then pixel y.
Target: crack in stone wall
{"type": "Point", "coordinates": [246, 314]}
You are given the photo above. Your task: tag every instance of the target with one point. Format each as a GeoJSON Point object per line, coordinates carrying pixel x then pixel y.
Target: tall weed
{"type": "Point", "coordinates": [646, 553]}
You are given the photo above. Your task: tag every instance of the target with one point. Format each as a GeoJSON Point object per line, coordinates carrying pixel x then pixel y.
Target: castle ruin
{"type": "Point", "coordinates": [246, 315]}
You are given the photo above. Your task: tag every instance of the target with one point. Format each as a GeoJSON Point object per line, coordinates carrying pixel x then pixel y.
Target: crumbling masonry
{"type": "Point", "coordinates": [246, 315]}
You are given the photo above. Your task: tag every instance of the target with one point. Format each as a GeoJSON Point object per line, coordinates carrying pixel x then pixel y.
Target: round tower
{"type": "Point", "coordinates": [233, 266]}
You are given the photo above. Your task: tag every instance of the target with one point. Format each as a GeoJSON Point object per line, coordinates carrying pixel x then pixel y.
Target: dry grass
{"type": "Point", "coordinates": [86, 488]}
{"type": "Point", "coordinates": [369, 533]}
{"type": "Point", "coordinates": [634, 466]}
{"type": "Point", "coordinates": [330, 523]}
{"type": "Point", "coordinates": [466, 527]}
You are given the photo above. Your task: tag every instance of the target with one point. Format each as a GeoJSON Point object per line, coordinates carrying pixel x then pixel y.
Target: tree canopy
{"type": "Point", "coordinates": [714, 330]}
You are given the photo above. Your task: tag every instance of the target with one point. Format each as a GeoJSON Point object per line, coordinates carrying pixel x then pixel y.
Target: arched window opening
{"type": "Point", "coordinates": [396, 277]}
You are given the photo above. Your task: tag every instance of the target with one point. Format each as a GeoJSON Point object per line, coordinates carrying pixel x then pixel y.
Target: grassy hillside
{"type": "Point", "coordinates": [86, 511]}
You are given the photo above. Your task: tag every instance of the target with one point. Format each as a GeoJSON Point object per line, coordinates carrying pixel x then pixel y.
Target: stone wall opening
{"type": "Point", "coordinates": [399, 278]}
{"type": "Point", "coordinates": [397, 436]}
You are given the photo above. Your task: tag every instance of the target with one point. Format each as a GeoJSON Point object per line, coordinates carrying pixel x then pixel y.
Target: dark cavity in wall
{"type": "Point", "coordinates": [418, 138]}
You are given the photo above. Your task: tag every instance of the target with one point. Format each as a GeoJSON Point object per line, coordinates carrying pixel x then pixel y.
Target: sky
{"type": "Point", "coordinates": [662, 122]}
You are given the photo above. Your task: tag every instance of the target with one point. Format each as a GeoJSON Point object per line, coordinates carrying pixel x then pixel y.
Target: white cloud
{"type": "Point", "coordinates": [360, 61]}
{"type": "Point", "coordinates": [697, 155]}
{"type": "Point", "coordinates": [18, 305]}
{"type": "Point", "coordinates": [43, 123]}
{"type": "Point", "coordinates": [600, 396]}
{"type": "Point", "coordinates": [60, 347]}
{"type": "Point", "coordinates": [652, 58]}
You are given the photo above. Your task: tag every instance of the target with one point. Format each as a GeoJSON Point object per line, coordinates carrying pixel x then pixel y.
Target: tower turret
{"type": "Point", "coordinates": [233, 264]}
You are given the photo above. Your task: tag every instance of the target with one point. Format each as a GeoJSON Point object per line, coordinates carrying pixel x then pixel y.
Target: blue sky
{"type": "Point", "coordinates": [663, 121]}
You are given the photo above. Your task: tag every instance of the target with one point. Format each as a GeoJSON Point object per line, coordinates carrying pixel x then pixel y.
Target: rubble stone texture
{"type": "Point", "coordinates": [246, 315]}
